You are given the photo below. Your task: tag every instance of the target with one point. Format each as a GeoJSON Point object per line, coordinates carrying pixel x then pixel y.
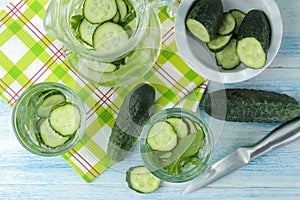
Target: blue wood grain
{"type": "Point", "coordinates": [272, 176]}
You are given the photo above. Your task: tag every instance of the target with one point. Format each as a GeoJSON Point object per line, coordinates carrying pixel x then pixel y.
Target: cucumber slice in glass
{"type": "Point", "coordinates": [51, 99]}
{"type": "Point", "coordinates": [49, 136]}
{"type": "Point", "coordinates": [122, 8]}
{"type": "Point", "coordinates": [162, 137]}
{"type": "Point", "coordinates": [179, 126]}
{"type": "Point", "coordinates": [65, 119]}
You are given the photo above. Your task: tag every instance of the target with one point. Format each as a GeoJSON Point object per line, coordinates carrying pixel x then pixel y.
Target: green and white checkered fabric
{"type": "Point", "coordinates": [29, 55]}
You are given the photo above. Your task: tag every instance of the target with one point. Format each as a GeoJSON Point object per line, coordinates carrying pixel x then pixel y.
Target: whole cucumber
{"type": "Point", "coordinates": [250, 105]}
{"type": "Point", "coordinates": [134, 112]}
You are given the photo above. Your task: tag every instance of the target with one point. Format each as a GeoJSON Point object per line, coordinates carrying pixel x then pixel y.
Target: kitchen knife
{"type": "Point", "coordinates": [280, 136]}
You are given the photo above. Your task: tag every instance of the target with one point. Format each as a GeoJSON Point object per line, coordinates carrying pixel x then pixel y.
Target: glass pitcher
{"type": "Point", "coordinates": [109, 42]}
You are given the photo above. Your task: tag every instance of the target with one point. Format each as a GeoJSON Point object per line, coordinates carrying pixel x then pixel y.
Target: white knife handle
{"type": "Point", "coordinates": [282, 135]}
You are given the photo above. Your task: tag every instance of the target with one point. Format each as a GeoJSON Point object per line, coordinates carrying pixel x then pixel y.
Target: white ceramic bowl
{"type": "Point", "coordinates": [198, 56]}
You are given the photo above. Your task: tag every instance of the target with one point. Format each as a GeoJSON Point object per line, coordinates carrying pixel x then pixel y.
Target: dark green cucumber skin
{"type": "Point", "coordinates": [209, 13]}
{"type": "Point", "coordinates": [133, 114]}
{"type": "Point", "coordinates": [250, 105]}
{"type": "Point", "coordinates": [256, 24]}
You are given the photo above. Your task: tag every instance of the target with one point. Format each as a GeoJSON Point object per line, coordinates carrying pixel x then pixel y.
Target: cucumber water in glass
{"type": "Point", "coordinates": [176, 145]}
{"type": "Point", "coordinates": [48, 119]}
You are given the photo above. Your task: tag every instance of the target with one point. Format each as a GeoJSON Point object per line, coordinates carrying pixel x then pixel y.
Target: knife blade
{"type": "Point", "coordinates": [280, 136]}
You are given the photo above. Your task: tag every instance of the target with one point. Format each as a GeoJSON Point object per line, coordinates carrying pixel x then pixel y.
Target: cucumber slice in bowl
{"type": "Point", "coordinates": [65, 119]}
{"type": "Point", "coordinates": [228, 24]}
{"type": "Point", "coordinates": [198, 30]}
{"type": "Point", "coordinates": [97, 12]}
{"type": "Point", "coordinates": [256, 24]}
{"type": "Point", "coordinates": [219, 43]}
{"type": "Point", "coordinates": [254, 39]}
{"type": "Point", "coordinates": [228, 58]}
{"type": "Point", "coordinates": [251, 53]}
{"type": "Point", "coordinates": [238, 17]}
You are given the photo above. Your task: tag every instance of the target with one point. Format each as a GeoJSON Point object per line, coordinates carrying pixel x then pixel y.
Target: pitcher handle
{"type": "Point", "coordinates": [172, 5]}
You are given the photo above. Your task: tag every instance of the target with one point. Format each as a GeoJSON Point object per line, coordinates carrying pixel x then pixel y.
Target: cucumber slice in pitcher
{"type": "Point", "coordinates": [75, 21]}
{"type": "Point", "coordinates": [86, 30]}
{"type": "Point", "coordinates": [116, 18]}
{"type": "Point", "coordinates": [97, 12]}
{"type": "Point", "coordinates": [40, 96]}
{"type": "Point", "coordinates": [122, 8]}
{"type": "Point", "coordinates": [101, 67]}
{"type": "Point", "coordinates": [109, 37]}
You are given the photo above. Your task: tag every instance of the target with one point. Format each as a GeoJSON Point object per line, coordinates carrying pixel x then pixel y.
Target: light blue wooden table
{"type": "Point", "coordinates": [272, 176]}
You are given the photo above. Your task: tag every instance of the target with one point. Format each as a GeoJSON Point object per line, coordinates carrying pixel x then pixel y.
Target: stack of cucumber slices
{"type": "Point", "coordinates": [56, 120]}
{"type": "Point", "coordinates": [234, 36]}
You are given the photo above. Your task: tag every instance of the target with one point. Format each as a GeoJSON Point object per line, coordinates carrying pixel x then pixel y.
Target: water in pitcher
{"type": "Point", "coordinates": [111, 41]}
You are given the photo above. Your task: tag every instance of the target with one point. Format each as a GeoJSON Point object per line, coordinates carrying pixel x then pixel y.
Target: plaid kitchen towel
{"type": "Point", "coordinates": [28, 55]}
